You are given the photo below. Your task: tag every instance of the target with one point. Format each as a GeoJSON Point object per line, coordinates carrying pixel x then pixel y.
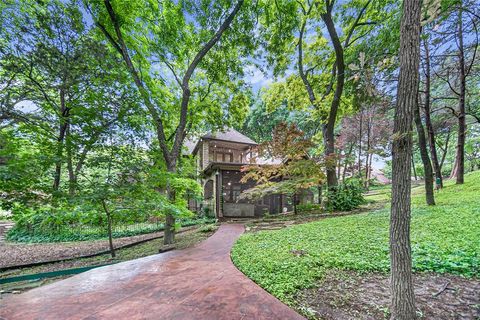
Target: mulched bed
{"type": "Point", "coordinates": [347, 295]}
{"type": "Point", "coordinates": [17, 254]}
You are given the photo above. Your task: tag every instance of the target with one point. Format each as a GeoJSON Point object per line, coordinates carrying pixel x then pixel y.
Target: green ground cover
{"type": "Point", "coordinates": [86, 233]}
{"type": "Point", "coordinates": [445, 239]}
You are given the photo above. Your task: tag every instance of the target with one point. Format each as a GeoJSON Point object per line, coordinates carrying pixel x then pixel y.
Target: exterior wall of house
{"type": "Point", "coordinates": [204, 150]}
{"type": "Point", "coordinates": [218, 165]}
{"type": "Point", "coordinates": [210, 192]}
{"type": "Point", "coordinates": [234, 155]}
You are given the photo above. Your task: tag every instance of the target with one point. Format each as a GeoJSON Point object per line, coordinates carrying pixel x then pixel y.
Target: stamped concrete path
{"type": "Point", "coordinates": [195, 283]}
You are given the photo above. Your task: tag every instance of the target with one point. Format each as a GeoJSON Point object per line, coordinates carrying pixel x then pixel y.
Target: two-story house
{"type": "Point", "coordinates": [219, 158]}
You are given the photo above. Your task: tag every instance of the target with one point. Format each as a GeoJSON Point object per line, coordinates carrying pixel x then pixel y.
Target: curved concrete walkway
{"type": "Point", "coordinates": [196, 283]}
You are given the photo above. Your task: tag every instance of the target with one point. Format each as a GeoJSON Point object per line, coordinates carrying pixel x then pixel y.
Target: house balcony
{"type": "Point", "coordinates": [222, 152]}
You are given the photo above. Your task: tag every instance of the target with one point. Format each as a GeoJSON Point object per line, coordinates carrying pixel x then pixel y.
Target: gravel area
{"type": "Point", "coordinates": [17, 254]}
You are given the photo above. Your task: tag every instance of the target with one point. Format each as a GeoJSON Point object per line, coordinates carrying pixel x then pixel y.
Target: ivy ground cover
{"type": "Point", "coordinates": [445, 239]}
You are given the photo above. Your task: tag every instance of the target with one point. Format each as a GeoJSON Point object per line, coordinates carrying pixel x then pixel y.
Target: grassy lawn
{"type": "Point", "coordinates": [445, 239]}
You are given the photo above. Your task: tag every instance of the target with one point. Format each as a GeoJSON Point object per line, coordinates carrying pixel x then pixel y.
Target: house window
{"type": "Point", "coordinates": [224, 157]}
{"type": "Point", "coordinates": [231, 192]}
{"type": "Point", "coordinates": [235, 192]}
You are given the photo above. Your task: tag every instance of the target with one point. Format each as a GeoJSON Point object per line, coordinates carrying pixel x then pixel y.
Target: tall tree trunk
{"type": "Point", "coordinates": [403, 298]}
{"type": "Point", "coordinates": [329, 136]}
{"type": "Point", "coordinates": [462, 126]}
{"type": "Point", "coordinates": [169, 231]}
{"type": "Point", "coordinates": [64, 122]}
{"type": "Point", "coordinates": [453, 172]}
{"type": "Point", "coordinates": [339, 70]}
{"type": "Point", "coordinates": [328, 128]}
{"type": "Point", "coordinates": [72, 180]}
{"type": "Point", "coordinates": [427, 166]}
{"type": "Point", "coordinates": [428, 120]}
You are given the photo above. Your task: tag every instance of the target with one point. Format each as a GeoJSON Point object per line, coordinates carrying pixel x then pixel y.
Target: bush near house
{"type": "Point", "coordinates": [445, 239]}
{"type": "Point", "coordinates": [346, 196]}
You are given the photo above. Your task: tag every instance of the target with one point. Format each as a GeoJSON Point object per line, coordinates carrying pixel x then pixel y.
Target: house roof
{"type": "Point", "coordinates": [228, 134]}
{"type": "Point", "coordinates": [189, 146]}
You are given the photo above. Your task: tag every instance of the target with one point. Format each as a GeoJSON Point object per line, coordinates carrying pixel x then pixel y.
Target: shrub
{"type": "Point", "coordinates": [207, 228]}
{"type": "Point", "coordinates": [309, 207]}
{"type": "Point", "coordinates": [345, 197]}
{"type": "Point", "coordinates": [207, 212]}
{"type": "Point", "coordinates": [73, 222]}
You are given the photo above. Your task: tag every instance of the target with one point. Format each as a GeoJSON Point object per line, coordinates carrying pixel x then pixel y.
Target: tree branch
{"type": "Point", "coordinates": [303, 75]}
{"type": "Point", "coordinates": [180, 131]}
{"type": "Point", "coordinates": [356, 24]}
{"type": "Point", "coordinates": [122, 48]}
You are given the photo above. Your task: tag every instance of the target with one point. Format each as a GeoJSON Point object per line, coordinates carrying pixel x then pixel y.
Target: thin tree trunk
{"type": "Point", "coordinates": [367, 173]}
{"type": "Point", "coordinates": [462, 126]}
{"type": "Point", "coordinates": [74, 171]}
{"type": "Point", "coordinates": [339, 167]}
{"type": "Point", "coordinates": [295, 203]}
{"type": "Point", "coordinates": [413, 168]}
{"type": "Point", "coordinates": [427, 166]}
{"type": "Point", "coordinates": [370, 166]}
{"type": "Point", "coordinates": [428, 120]}
{"type": "Point", "coordinates": [401, 282]}
{"type": "Point", "coordinates": [320, 187]}
{"type": "Point", "coordinates": [445, 149]}
{"type": "Point", "coordinates": [71, 173]}
{"type": "Point", "coordinates": [360, 133]}
{"type": "Point", "coordinates": [109, 228]}
{"type": "Point", "coordinates": [64, 113]}
{"type": "Point", "coordinates": [367, 168]}
{"type": "Point", "coordinates": [350, 150]}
